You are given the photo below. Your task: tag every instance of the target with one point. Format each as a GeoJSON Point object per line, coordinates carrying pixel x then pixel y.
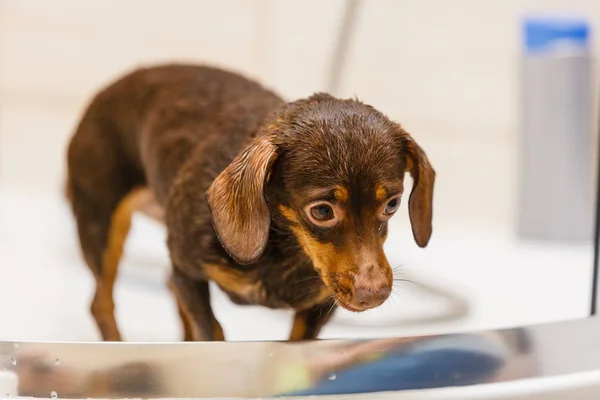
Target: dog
{"type": "Point", "coordinates": [281, 204]}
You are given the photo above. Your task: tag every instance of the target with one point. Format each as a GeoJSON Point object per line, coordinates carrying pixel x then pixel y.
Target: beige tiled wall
{"type": "Point", "coordinates": [446, 70]}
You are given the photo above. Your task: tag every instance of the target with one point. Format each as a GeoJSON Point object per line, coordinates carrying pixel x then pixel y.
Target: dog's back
{"type": "Point", "coordinates": [162, 112]}
{"type": "Point", "coordinates": [133, 139]}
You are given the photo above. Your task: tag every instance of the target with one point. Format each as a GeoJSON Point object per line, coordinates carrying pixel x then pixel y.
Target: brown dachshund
{"type": "Point", "coordinates": [281, 204]}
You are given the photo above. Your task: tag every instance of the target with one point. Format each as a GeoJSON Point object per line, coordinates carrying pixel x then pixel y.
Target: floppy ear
{"type": "Point", "coordinates": [237, 203]}
{"type": "Point", "coordinates": [420, 203]}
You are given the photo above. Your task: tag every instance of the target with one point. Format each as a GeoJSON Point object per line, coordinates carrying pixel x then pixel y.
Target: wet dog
{"type": "Point", "coordinates": [281, 204]}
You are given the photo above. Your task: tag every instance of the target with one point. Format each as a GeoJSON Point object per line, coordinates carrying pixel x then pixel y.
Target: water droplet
{"type": "Point", "coordinates": [57, 362]}
{"type": "Point", "coordinates": [16, 345]}
{"type": "Point", "coordinates": [332, 377]}
{"type": "Point", "coordinates": [270, 355]}
{"type": "Point", "coordinates": [54, 395]}
{"type": "Point", "coordinates": [13, 361]}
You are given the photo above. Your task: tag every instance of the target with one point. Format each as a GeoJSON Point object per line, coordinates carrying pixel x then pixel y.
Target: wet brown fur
{"type": "Point", "coordinates": [228, 166]}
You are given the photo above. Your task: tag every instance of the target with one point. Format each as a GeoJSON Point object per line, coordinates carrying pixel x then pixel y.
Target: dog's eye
{"type": "Point", "coordinates": [322, 212]}
{"type": "Point", "coordinates": [392, 206]}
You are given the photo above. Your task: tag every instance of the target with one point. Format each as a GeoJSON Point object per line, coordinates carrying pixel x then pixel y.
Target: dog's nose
{"type": "Point", "coordinates": [368, 297]}
{"type": "Point", "coordinates": [371, 288]}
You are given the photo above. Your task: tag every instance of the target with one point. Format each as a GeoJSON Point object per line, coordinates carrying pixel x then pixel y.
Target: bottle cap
{"type": "Point", "coordinates": [549, 34]}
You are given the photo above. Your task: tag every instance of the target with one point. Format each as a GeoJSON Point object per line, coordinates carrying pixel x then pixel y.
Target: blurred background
{"type": "Point", "coordinates": [449, 72]}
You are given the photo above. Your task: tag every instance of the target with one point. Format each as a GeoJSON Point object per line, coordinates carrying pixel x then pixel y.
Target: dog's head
{"type": "Point", "coordinates": [331, 171]}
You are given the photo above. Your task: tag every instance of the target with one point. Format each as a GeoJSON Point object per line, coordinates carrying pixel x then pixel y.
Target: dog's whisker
{"type": "Point", "coordinates": [331, 308]}
{"type": "Point", "coordinates": [328, 299]}
{"type": "Point", "coordinates": [405, 280]}
{"type": "Point", "coordinates": [307, 292]}
{"type": "Point", "coordinates": [304, 279]}
{"type": "Point", "coordinates": [397, 293]}
{"type": "Point", "coordinates": [397, 267]}
{"type": "Point", "coordinates": [320, 312]}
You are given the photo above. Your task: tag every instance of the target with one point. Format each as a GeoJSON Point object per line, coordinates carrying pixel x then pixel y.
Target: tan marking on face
{"type": "Point", "coordinates": [338, 267]}
{"type": "Point", "coordinates": [288, 213]}
{"type": "Point", "coordinates": [341, 194]}
{"type": "Point", "coordinates": [335, 266]}
{"type": "Point", "coordinates": [380, 193]}
{"type": "Point", "coordinates": [320, 253]}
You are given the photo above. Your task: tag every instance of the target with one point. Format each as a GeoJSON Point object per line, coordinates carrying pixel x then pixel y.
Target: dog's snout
{"type": "Point", "coordinates": [371, 287]}
{"type": "Point", "coordinates": [368, 297]}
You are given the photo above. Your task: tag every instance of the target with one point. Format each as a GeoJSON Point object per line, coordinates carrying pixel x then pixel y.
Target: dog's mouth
{"type": "Point", "coordinates": [344, 304]}
{"type": "Point", "coordinates": [340, 296]}
{"type": "Point", "coordinates": [345, 296]}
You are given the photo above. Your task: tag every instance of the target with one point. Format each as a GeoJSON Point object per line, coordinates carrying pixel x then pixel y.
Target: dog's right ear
{"type": "Point", "coordinates": [236, 200]}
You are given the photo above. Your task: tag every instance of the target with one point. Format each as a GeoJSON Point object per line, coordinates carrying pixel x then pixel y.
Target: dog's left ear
{"type": "Point", "coordinates": [420, 203]}
{"type": "Point", "coordinates": [236, 200]}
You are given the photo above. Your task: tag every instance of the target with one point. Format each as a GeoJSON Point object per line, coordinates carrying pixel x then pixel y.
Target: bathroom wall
{"type": "Point", "coordinates": [446, 70]}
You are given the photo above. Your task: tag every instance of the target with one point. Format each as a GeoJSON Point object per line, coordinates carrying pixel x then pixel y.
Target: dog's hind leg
{"type": "Point", "coordinates": [100, 241]}
{"type": "Point", "coordinates": [100, 187]}
{"type": "Point", "coordinates": [103, 246]}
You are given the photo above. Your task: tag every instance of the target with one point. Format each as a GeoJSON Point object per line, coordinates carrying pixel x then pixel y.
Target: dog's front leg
{"type": "Point", "coordinates": [193, 300]}
{"type": "Point", "coordinates": [308, 323]}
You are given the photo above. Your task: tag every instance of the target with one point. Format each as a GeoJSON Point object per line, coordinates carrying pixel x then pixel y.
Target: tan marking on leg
{"type": "Point", "coordinates": [298, 328]}
{"type": "Point", "coordinates": [309, 322]}
{"type": "Point", "coordinates": [103, 304]}
{"type": "Point", "coordinates": [218, 330]}
{"type": "Point", "coordinates": [185, 322]}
